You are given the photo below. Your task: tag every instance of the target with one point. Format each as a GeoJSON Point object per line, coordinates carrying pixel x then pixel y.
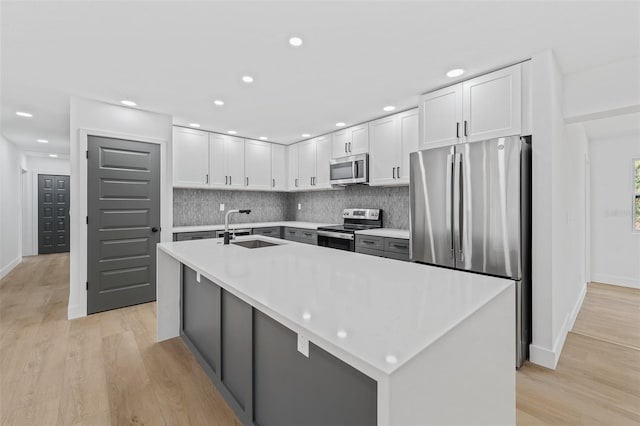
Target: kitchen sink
{"type": "Point", "coordinates": [252, 244]}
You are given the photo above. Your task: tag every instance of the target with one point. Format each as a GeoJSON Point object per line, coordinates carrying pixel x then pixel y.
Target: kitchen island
{"type": "Point", "coordinates": [299, 334]}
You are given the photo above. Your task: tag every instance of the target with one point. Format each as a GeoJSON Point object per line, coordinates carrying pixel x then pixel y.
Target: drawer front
{"type": "Point", "coordinates": [187, 236]}
{"type": "Point", "coordinates": [273, 231]}
{"type": "Point", "coordinates": [369, 251]}
{"type": "Point", "coordinates": [308, 236]}
{"type": "Point", "coordinates": [397, 256]}
{"type": "Point", "coordinates": [369, 242]}
{"type": "Point", "coordinates": [396, 245]}
{"type": "Point", "coordinates": [291, 234]}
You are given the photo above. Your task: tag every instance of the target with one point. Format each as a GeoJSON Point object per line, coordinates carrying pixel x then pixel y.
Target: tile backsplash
{"type": "Point", "coordinates": [201, 206]}
{"type": "Point", "coordinates": [327, 206]}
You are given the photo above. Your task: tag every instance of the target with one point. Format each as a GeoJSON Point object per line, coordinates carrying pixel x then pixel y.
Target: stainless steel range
{"type": "Point", "coordinates": [343, 236]}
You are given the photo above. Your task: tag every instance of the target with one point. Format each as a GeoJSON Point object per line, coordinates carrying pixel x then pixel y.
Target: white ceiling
{"type": "Point", "coordinates": [177, 57]}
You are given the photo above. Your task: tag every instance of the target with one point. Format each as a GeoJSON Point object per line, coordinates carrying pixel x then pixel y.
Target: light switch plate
{"type": "Point", "coordinates": [299, 206]}
{"type": "Point", "coordinates": [303, 345]}
{"type": "Point", "coordinates": [221, 207]}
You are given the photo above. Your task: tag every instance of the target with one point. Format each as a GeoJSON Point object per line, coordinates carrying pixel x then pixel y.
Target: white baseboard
{"type": "Point", "coordinates": [4, 271]}
{"type": "Point", "coordinates": [615, 280]}
{"type": "Point", "coordinates": [549, 357]}
{"type": "Point", "coordinates": [76, 311]}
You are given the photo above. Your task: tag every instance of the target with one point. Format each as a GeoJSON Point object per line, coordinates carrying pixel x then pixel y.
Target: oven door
{"type": "Point", "coordinates": [336, 240]}
{"type": "Point", "coordinates": [349, 170]}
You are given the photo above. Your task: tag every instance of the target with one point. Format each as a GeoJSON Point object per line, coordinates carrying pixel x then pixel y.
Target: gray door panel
{"type": "Point", "coordinates": [490, 207]}
{"type": "Point", "coordinates": [53, 214]}
{"type": "Point", "coordinates": [123, 204]}
{"type": "Point", "coordinates": [430, 218]}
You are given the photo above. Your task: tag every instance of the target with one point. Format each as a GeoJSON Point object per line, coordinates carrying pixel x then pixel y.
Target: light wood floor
{"type": "Point", "coordinates": [108, 369]}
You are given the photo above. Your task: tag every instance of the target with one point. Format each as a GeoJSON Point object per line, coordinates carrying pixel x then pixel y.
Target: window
{"type": "Point", "coordinates": [636, 200]}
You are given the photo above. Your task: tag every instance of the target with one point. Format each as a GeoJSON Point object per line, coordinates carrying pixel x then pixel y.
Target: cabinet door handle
{"type": "Point", "coordinates": [226, 180]}
{"type": "Point", "coordinates": [466, 128]}
{"type": "Point", "coordinates": [367, 242]}
{"type": "Point", "coordinates": [295, 182]}
{"type": "Point", "coordinates": [398, 172]}
{"type": "Point", "coordinates": [229, 180]}
{"type": "Point", "coordinates": [458, 130]}
{"type": "Point", "coordinates": [207, 177]}
{"type": "Point", "coordinates": [311, 181]}
{"type": "Point", "coordinates": [247, 178]}
{"type": "Point", "coordinates": [273, 184]}
{"type": "Point", "coordinates": [345, 147]}
{"type": "Point", "coordinates": [394, 172]}
{"type": "Point", "coordinates": [349, 146]}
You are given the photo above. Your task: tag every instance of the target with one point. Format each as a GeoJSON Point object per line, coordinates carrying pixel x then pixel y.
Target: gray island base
{"type": "Point", "coordinates": [292, 348]}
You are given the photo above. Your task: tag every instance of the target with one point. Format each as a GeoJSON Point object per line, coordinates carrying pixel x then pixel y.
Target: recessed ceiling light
{"type": "Point", "coordinates": [305, 135]}
{"type": "Point", "coordinates": [218, 102]}
{"type": "Point", "coordinates": [24, 114]}
{"type": "Point", "coordinates": [232, 132]}
{"type": "Point", "coordinates": [53, 155]}
{"type": "Point", "coordinates": [247, 79]}
{"type": "Point", "coordinates": [391, 359]}
{"type": "Point", "coordinates": [43, 141]}
{"type": "Point", "coordinates": [340, 124]}
{"type": "Point", "coordinates": [295, 41]}
{"type": "Point", "coordinates": [455, 73]}
{"type": "Point", "coordinates": [342, 334]}
{"type": "Point", "coordinates": [128, 103]}
{"type": "Point", "coordinates": [264, 138]}
{"type": "Point", "coordinates": [194, 124]}
{"type": "Point", "coordinates": [389, 108]}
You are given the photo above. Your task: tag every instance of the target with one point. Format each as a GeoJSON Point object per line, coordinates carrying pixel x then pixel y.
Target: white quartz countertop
{"type": "Point", "coordinates": [377, 312]}
{"type": "Point", "coordinates": [386, 232]}
{"type": "Point", "coordinates": [293, 224]}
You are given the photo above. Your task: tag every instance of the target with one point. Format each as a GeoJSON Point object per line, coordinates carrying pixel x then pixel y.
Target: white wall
{"type": "Point", "coordinates": [12, 161]}
{"type": "Point", "coordinates": [36, 165]}
{"type": "Point", "coordinates": [604, 91]}
{"type": "Point", "coordinates": [558, 218]}
{"type": "Point", "coordinates": [91, 116]}
{"type": "Point", "coordinates": [615, 248]}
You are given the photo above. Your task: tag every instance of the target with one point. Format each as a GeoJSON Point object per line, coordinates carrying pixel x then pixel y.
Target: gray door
{"type": "Point", "coordinates": [53, 214]}
{"type": "Point", "coordinates": [487, 229]}
{"type": "Point", "coordinates": [431, 215]}
{"type": "Point", "coordinates": [123, 205]}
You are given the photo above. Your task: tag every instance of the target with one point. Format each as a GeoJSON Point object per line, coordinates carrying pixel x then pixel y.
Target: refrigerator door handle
{"type": "Point", "coordinates": [458, 202]}
{"type": "Point", "coordinates": [448, 203]}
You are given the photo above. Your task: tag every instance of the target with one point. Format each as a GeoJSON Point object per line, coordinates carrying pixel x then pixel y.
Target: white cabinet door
{"type": "Point", "coordinates": [217, 165]}
{"type": "Point", "coordinates": [493, 105]}
{"type": "Point", "coordinates": [307, 163]}
{"type": "Point", "coordinates": [292, 170]}
{"type": "Point", "coordinates": [441, 117]}
{"type": "Point", "coordinates": [358, 142]}
{"type": "Point", "coordinates": [383, 158]}
{"type": "Point", "coordinates": [339, 143]}
{"type": "Point", "coordinates": [234, 158]}
{"type": "Point", "coordinates": [190, 157]}
{"type": "Point", "coordinates": [323, 157]}
{"type": "Point", "coordinates": [257, 164]}
{"type": "Point", "coordinates": [278, 167]}
{"type": "Point", "coordinates": [408, 142]}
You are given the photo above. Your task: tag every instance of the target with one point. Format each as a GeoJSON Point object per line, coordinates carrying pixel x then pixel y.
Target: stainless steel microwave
{"type": "Point", "coordinates": [349, 170]}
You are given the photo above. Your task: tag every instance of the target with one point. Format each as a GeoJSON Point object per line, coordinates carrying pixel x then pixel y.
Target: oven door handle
{"type": "Point", "coordinates": [339, 235]}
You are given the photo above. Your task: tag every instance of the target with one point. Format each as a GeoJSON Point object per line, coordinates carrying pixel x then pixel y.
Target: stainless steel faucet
{"type": "Point", "coordinates": [227, 236]}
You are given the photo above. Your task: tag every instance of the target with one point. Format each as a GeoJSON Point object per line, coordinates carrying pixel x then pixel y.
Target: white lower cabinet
{"type": "Point", "coordinates": [257, 165]}
{"type": "Point", "coordinates": [279, 167]}
{"type": "Point", "coordinates": [190, 158]}
{"type": "Point", "coordinates": [391, 141]}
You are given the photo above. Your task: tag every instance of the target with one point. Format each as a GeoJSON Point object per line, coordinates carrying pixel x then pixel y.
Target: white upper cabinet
{"type": "Point", "coordinates": [323, 157]}
{"type": "Point", "coordinates": [278, 167]}
{"type": "Point", "coordinates": [190, 158]}
{"type": "Point", "coordinates": [306, 163]}
{"type": "Point", "coordinates": [226, 160]}
{"type": "Point", "coordinates": [257, 165]}
{"type": "Point", "coordinates": [441, 117]}
{"type": "Point", "coordinates": [293, 177]}
{"type": "Point", "coordinates": [485, 107]}
{"type": "Point", "coordinates": [493, 104]}
{"type": "Point", "coordinates": [351, 141]}
{"type": "Point", "coordinates": [392, 139]}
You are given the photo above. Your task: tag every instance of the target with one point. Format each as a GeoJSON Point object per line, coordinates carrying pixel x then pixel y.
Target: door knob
{"type": "Point", "coordinates": [154, 229]}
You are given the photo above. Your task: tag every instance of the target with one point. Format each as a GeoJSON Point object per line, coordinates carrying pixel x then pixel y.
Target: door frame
{"type": "Point", "coordinates": [166, 212]}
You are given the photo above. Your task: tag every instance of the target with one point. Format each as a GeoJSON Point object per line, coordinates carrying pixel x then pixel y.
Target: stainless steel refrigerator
{"type": "Point", "coordinates": [470, 210]}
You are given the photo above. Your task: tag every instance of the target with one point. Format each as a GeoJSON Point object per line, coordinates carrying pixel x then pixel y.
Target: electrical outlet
{"type": "Point", "coordinates": [303, 345]}
{"type": "Point", "coordinates": [299, 206]}
{"type": "Point", "coordinates": [221, 207]}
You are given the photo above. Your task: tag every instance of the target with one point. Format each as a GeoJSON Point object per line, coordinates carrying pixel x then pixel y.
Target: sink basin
{"type": "Point", "coordinates": [252, 244]}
